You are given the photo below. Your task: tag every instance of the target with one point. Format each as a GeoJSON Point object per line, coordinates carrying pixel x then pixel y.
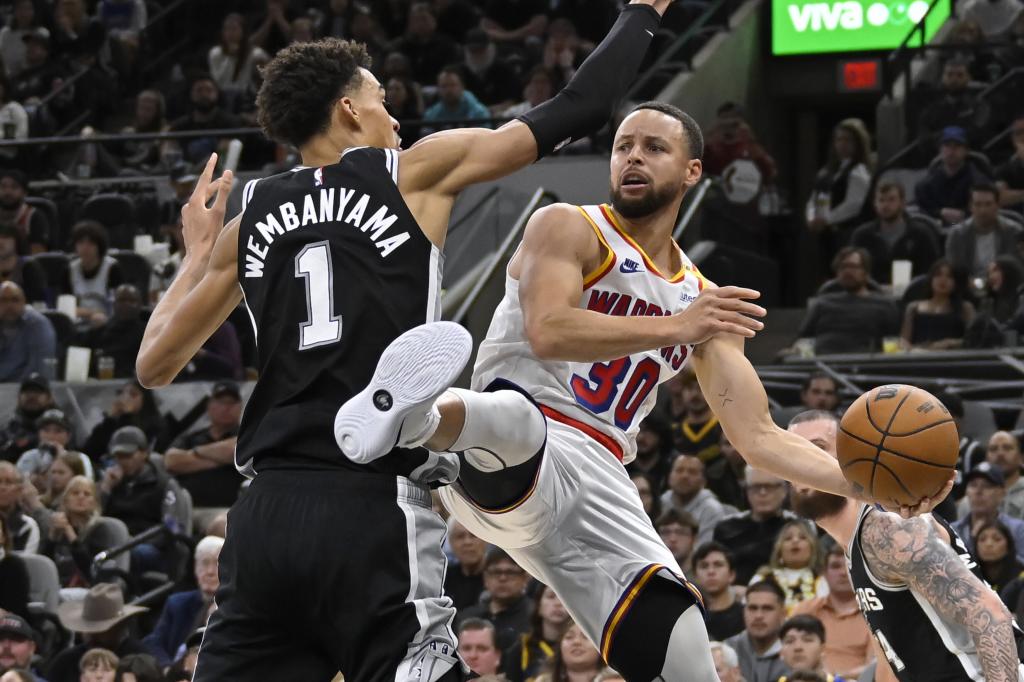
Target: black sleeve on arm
{"type": "Point", "coordinates": [593, 93]}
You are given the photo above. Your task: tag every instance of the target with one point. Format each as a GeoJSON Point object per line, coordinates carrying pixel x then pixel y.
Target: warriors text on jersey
{"type": "Point", "coordinates": [333, 267]}
{"type": "Point", "coordinates": [609, 397]}
{"type": "Point", "coordinates": [920, 645]}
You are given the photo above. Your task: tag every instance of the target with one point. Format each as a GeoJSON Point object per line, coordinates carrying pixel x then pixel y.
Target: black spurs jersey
{"type": "Point", "coordinates": [919, 644]}
{"type": "Point", "coordinates": [333, 267]}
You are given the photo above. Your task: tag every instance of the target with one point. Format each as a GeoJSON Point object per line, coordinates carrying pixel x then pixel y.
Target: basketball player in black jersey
{"type": "Point", "coordinates": [333, 564]}
{"type": "Point", "coordinates": [933, 616]}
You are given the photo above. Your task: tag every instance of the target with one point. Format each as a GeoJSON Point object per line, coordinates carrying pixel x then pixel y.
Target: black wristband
{"type": "Point", "coordinates": [587, 101]}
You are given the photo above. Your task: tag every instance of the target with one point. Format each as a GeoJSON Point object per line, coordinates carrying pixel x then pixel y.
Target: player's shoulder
{"type": "Point", "coordinates": [561, 223]}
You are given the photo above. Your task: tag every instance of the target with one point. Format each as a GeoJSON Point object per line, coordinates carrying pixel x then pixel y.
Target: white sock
{"type": "Point", "coordinates": [502, 429]}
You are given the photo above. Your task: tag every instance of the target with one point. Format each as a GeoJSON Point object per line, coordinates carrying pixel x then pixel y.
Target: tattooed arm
{"type": "Point", "coordinates": [912, 551]}
{"type": "Point", "coordinates": [736, 396]}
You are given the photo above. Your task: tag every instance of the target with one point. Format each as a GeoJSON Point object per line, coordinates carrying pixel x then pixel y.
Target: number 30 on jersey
{"type": "Point", "coordinates": [607, 388]}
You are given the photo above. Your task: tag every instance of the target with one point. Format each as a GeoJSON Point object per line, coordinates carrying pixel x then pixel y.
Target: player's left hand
{"type": "Point", "coordinates": [200, 226]}
{"type": "Point", "coordinates": [926, 505]}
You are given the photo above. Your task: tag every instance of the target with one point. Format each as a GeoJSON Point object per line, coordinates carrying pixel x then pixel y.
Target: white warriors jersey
{"type": "Point", "coordinates": [607, 400]}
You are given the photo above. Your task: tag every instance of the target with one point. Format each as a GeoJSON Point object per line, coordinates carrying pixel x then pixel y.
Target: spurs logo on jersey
{"type": "Point", "coordinates": [612, 397]}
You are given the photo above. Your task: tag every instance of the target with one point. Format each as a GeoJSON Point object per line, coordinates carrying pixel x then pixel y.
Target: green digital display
{"type": "Point", "coordinates": [818, 26]}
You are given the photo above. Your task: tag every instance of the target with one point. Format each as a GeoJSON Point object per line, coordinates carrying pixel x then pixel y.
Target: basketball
{"type": "Point", "coordinates": [898, 443]}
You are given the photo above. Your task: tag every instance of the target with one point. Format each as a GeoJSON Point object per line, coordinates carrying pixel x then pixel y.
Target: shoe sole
{"type": "Point", "coordinates": [416, 368]}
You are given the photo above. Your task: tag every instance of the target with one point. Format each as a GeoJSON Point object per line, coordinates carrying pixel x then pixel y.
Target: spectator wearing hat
{"type": "Point", "coordinates": [133, 405]}
{"type": "Point", "coordinates": [17, 645]}
{"type": "Point", "coordinates": [183, 612]}
{"type": "Point", "coordinates": [894, 235]}
{"type": "Point", "coordinates": [856, 319]}
{"type": "Point", "coordinates": [945, 192]}
{"type": "Point", "coordinates": [975, 244]}
{"type": "Point", "coordinates": [20, 433]}
{"type": "Point", "coordinates": [33, 227]}
{"type": "Point", "coordinates": [20, 531]}
{"type": "Point", "coordinates": [102, 621]}
{"type": "Point", "coordinates": [487, 75]}
{"type": "Point", "coordinates": [136, 491]}
{"type": "Point", "coordinates": [986, 490]}
{"type": "Point", "coordinates": [41, 73]}
{"type": "Point", "coordinates": [14, 583]}
{"type": "Point", "coordinates": [507, 607]}
{"type": "Point", "coordinates": [92, 274]}
{"type": "Point", "coordinates": [203, 460]}
{"type": "Point", "coordinates": [20, 269]}
{"type": "Point", "coordinates": [27, 338]}
{"type": "Point", "coordinates": [54, 431]}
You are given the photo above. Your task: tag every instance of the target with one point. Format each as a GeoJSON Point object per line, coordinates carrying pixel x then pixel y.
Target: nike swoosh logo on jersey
{"type": "Point", "coordinates": [628, 267]}
{"type": "Point", "coordinates": [648, 31]}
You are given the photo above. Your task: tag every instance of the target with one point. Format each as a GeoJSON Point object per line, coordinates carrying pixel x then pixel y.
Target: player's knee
{"type": "Point", "coordinates": [662, 636]}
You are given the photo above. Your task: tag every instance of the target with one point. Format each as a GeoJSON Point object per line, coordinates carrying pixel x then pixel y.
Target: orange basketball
{"type": "Point", "coordinates": [898, 443]}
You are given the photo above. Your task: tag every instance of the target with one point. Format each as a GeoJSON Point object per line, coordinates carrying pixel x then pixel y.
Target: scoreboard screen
{"type": "Point", "coordinates": [834, 26]}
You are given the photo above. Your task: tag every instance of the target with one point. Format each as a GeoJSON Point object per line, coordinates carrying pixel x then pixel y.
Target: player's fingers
{"type": "Point", "coordinates": [743, 321]}
{"type": "Point", "coordinates": [735, 292]}
{"type": "Point", "coordinates": [738, 330]}
{"type": "Point", "coordinates": [743, 307]}
{"type": "Point", "coordinates": [199, 193]}
{"type": "Point", "coordinates": [224, 184]}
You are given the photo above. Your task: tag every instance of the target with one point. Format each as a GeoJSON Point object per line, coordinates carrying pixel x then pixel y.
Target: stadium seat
{"type": "Point", "coordinates": [55, 265]}
{"type": "Point", "coordinates": [118, 534]}
{"type": "Point", "coordinates": [917, 290]}
{"type": "Point", "coordinates": [43, 582]}
{"type": "Point", "coordinates": [832, 286]}
{"type": "Point", "coordinates": [136, 270]}
{"type": "Point", "coordinates": [979, 423]}
{"type": "Point", "coordinates": [116, 212]}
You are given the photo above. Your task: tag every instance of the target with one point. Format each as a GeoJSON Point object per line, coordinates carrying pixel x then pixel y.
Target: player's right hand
{"type": "Point", "coordinates": [720, 310]}
{"type": "Point", "coordinates": [200, 226]}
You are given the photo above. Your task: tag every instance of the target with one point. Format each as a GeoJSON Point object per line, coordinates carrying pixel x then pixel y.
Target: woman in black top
{"type": "Point", "coordinates": [526, 658]}
{"type": "Point", "coordinates": [133, 406]}
{"type": "Point", "coordinates": [940, 320]}
{"type": "Point", "coordinates": [997, 554]}
{"type": "Point", "coordinates": [1002, 290]}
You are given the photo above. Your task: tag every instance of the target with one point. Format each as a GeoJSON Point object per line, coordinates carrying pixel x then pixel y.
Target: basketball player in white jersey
{"type": "Point", "coordinates": [600, 307]}
{"type": "Point", "coordinates": [931, 613]}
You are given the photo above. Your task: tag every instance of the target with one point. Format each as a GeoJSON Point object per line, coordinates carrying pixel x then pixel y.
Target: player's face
{"type": "Point", "coordinates": [1004, 453]}
{"type": "Point", "coordinates": [796, 548]}
{"type": "Point", "coordinates": [468, 548]}
{"type": "Point", "coordinates": [820, 395]}
{"type": "Point", "coordinates": [552, 610]}
{"type": "Point", "coordinates": [577, 651]}
{"type": "Point", "coordinates": [991, 545]}
{"type": "Point", "coordinates": [763, 614]}
{"type": "Point", "coordinates": [478, 650]}
{"type": "Point", "coordinates": [651, 166]}
{"type": "Point", "coordinates": [836, 576]}
{"type": "Point", "coordinates": [687, 476]}
{"type": "Point", "coordinates": [802, 650]}
{"type": "Point", "coordinates": [713, 573]}
{"type": "Point", "coordinates": [377, 128]}
{"type": "Point", "coordinates": [808, 502]}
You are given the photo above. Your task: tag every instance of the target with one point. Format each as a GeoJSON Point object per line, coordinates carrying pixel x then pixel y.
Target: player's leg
{"type": "Point", "coordinates": [660, 635]}
{"type": "Point", "coordinates": [499, 433]}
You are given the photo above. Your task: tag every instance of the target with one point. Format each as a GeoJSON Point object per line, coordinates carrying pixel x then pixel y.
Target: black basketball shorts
{"type": "Point", "coordinates": [331, 571]}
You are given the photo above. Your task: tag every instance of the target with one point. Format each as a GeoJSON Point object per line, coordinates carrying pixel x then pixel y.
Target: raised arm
{"type": "Point", "coordinates": [205, 290]}
{"type": "Point", "coordinates": [559, 248]}
{"type": "Point", "coordinates": [449, 161]}
{"type": "Point", "coordinates": [912, 551]}
{"type": "Point", "coordinates": [736, 396]}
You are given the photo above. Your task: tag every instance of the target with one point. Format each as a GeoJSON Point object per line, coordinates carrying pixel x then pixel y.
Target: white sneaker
{"type": "Point", "coordinates": [397, 408]}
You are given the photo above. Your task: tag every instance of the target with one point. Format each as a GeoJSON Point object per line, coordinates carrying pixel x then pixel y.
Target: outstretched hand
{"type": "Point", "coordinates": [201, 225]}
{"type": "Point", "coordinates": [721, 309]}
{"type": "Point", "coordinates": [926, 505]}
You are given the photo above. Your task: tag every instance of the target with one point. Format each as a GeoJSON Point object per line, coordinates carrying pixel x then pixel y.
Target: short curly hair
{"type": "Point", "coordinates": [301, 84]}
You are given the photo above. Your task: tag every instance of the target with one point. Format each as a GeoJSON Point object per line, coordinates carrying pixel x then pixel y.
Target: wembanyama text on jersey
{"type": "Point", "coordinates": [333, 267]}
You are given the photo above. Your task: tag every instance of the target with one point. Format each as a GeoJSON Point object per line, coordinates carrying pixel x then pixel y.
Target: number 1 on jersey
{"type": "Point", "coordinates": [322, 326]}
